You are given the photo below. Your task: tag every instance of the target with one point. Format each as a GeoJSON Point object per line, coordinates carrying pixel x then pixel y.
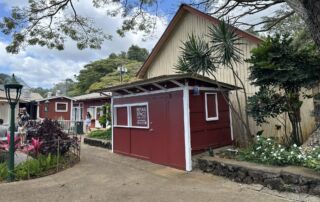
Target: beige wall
{"type": "Point", "coordinates": [166, 60]}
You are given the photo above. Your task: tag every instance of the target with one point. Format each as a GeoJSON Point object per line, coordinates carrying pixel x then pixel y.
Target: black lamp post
{"type": "Point", "coordinates": [46, 107]}
{"type": "Point", "coordinates": [13, 92]}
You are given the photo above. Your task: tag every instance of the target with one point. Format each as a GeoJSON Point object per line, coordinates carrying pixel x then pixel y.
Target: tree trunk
{"type": "Point", "coordinates": [312, 8]}
{"type": "Point", "coordinates": [309, 11]}
{"type": "Point", "coordinates": [294, 113]}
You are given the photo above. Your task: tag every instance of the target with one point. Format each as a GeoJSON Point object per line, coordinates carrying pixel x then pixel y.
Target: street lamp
{"type": "Point", "coordinates": [13, 92]}
{"type": "Point", "coordinates": [46, 107]}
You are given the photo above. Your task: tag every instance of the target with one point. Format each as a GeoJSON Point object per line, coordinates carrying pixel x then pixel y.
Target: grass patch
{"type": "Point", "coordinates": [101, 134]}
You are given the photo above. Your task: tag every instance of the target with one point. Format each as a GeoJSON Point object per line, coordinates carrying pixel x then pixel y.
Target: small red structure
{"type": "Point", "coordinates": [55, 107]}
{"type": "Point", "coordinates": [61, 107]}
{"type": "Point", "coordinates": [166, 119]}
{"type": "Point", "coordinates": [91, 103]}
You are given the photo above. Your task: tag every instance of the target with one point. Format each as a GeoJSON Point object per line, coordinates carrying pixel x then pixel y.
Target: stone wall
{"type": "Point", "coordinates": [290, 179]}
{"type": "Point", "coordinates": [98, 143]}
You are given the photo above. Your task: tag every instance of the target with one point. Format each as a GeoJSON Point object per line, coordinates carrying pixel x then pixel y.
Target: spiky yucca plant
{"type": "Point", "coordinates": [196, 57]}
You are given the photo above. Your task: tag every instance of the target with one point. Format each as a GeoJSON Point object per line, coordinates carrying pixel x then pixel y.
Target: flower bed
{"type": "Point", "coordinates": [267, 151]}
{"type": "Point", "coordinates": [47, 150]}
{"type": "Point", "coordinates": [40, 166]}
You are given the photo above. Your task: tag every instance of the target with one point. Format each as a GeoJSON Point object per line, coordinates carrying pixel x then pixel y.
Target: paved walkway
{"type": "Point", "coordinates": [103, 176]}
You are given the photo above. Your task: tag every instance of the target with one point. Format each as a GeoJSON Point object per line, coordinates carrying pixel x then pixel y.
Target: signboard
{"type": "Point", "coordinates": [140, 116]}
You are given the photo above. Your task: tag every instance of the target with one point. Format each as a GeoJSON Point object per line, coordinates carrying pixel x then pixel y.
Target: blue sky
{"type": "Point", "coordinates": [41, 67]}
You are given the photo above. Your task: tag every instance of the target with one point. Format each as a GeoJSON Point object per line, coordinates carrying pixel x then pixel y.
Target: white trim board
{"type": "Point", "coordinates": [65, 103]}
{"type": "Point", "coordinates": [129, 117]}
{"type": "Point", "coordinates": [206, 107]}
{"type": "Point", "coordinates": [112, 125]}
{"type": "Point", "coordinates": [186, 121]}
{"type": "Point", "coordinates": [149, 93]}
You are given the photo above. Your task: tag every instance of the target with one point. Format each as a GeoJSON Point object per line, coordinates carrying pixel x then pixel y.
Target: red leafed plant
{"type": "Point", "coordinates": [6, 144]}
{"type": "Point", "coordinates": [34, 147]}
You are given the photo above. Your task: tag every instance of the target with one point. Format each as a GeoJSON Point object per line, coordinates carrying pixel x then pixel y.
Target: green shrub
{"type": "Point", "coordinates": [267, 151]}
{"type": "Point", "coordinates": [313, 159]}
{"type": "Point", "coordinates": [31, 168]}
{"type": "Point", "coordinates": [101, 134]}
{"type": "Point", "coordinates": [3, 171]}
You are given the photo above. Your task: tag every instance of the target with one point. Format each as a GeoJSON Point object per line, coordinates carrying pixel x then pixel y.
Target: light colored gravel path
{"type": "Point", "coordinates": [103, 176]}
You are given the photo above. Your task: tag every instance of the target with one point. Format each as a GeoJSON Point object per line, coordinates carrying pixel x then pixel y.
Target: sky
{"type": "Point", "coordinates": [42, 67]}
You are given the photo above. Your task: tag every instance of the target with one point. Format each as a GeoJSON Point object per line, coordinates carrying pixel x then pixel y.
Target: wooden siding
{"type": "Point", "coordinates": [52, 114]}
{"type": "Point", "coordinates": [166, 61]}
{"type": "Point", "coordinates": [163, 141]}
{"type": "Point", "coordinates": [208, 134]}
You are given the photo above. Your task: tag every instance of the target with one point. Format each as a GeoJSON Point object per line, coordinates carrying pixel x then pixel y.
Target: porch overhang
{"type": "Point", "coordinates": [167, 83]}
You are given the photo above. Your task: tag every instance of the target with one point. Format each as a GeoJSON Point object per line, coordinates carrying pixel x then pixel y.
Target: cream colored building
{"type": "Point", "coordinates": [163, 60]}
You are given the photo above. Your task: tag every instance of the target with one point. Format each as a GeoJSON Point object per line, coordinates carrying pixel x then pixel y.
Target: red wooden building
{"type": "Point", "coordinates": [167, 119]}
{"type": "Point", "coordinates": [55, 107]}
{"type": "Point", "coordinates": [61, 107]}
{"type": "Point", "coordinates": [91, 103]}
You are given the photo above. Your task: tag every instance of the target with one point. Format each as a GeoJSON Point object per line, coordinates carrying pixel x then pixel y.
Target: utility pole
{"type": "Point", "coordinates": [122, 70]}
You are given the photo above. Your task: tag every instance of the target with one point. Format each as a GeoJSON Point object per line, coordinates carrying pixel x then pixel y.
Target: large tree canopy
{"type": "Point", "coordinates": [50, 23]}
{"type": "Point", "coordinates": [281, 70]}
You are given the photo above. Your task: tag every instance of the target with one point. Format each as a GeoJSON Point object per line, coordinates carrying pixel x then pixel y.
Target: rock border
{"type": "Point", "coordinates": [278, 178]}
{"type": "Point", "coordinates": [106, 144]}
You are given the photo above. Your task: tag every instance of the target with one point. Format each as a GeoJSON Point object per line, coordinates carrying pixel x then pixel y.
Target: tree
{"type": "Point", "coordinates": [201, 57]}
{"type": "Point", "coordinates": [42, 91]}
{"type": "Point", "coordinates": [137, 53]}
{"type": "Point", "coordinates": [281, 70]}
{"type": "Point", "coordinates": [49, 23]}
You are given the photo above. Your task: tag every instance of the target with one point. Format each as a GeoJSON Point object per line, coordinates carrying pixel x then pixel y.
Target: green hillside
{"type": "Point", "coordinates": [113, 78]}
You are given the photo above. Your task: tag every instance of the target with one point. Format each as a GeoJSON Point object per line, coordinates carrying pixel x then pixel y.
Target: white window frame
{"type": "Point", "coordinates": [129, 117]}
{"type": "Point", "coordinates": [65, 103]}
{"type": "Point", "coordinates": [206, 107]}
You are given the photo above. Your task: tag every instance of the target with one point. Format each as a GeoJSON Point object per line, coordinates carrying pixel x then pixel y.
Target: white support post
{"type": "Point", "coordinates": [187, 136]}
{"type": "Point", "coordinates": [38, 110]}
{"type": "Point", "coordinates": [112, 124]}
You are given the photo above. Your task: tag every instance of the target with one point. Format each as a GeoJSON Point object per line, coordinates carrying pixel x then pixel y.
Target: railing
{"type": "Point", "coordinates": [69, 127]}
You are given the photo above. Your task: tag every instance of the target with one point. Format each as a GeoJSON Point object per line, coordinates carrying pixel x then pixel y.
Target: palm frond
{"type": "Point", "coordinates": [196, 56]}
{"type": "Point", "coordinates": [225, 44]}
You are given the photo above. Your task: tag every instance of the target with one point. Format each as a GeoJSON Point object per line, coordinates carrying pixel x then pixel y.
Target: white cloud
{"type": "Point", "coordinates": [43, 67]}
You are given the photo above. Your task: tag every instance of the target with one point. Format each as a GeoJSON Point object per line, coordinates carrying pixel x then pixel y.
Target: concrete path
{"type": "Point", "coordinates": [103, 176]}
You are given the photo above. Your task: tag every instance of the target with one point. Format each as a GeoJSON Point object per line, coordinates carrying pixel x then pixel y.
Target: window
{"type": "Point", "coordinates": [121, 116]}
{"type": "Point", "coordinates": [211, 105]}
{"type": "Point", "coordinates": [131, 115]}
{"type": "Point", "coordinates": [61, 106]}
{"type": "Point", "coordinates": [139, 116]}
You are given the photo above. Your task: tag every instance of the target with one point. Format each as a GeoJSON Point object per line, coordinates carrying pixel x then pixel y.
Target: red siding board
{"type": "Point", "coordinates": [206, 134]}
{"type": "Point", "coordinates": [52, 114]}
{"type": "Point", "coordinates": [163, 142]}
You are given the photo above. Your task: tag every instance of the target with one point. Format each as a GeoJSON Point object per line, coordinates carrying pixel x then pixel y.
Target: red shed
{"type": "Point", "coordinates": [168, 118]}
{"type": "Point", "coordinates": [55, 107]}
